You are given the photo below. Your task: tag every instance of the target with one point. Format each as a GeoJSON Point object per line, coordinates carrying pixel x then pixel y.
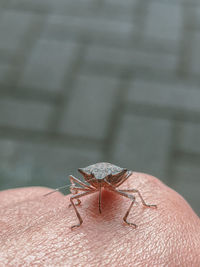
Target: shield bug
{"type": "Point", "coordinates": [98, 176]}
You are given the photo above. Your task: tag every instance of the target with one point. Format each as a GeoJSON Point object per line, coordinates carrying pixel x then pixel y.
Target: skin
{"type": "Point", "coordinates": [35, 230]}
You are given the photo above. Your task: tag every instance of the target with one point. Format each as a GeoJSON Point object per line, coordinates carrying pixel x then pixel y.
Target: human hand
{"type": "Point", "coordinates": [35, 230]}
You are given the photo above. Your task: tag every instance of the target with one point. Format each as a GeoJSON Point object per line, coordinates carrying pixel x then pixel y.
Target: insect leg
{"type": "Point", "coordinates": [125, 177]}
{"type": "Point", "coordinates": [139, 194]}
{"type": "Point", "coordinates": [80, 189]}
{"type": "Point", "coordinates": [77, 196]}
{"type": "Point", "coordinates": [124, 194]}
{"type": "Point", "coordinates": [75, 190]}
{"type": "Point", "coordinates": [100, 199]}
{"type": "Point", "coordinates": [76, 180]}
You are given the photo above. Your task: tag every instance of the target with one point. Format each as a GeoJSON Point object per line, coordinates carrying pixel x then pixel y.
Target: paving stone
{"type": "Point", "coordinates": [164, 21]}
{"type": "Point", "coordinates": [132, 58]}
{"type": "Point", "coordinates": [54, 164]}
{"type": "Point", "coordinates": [25, 164]}
{"type": "Point", "coordinates": [120, 10]}
{"type": "Point", "coordinates": [178, 94]}
{"type": "Point", "coordinates": [13, 27]}
{"type": "Point", "coordinates": [7, 151]}
{"type": "Point", "coordinates": [62, 27]}
{"type": "Point", "coordinates": [189, 140]}
{"type": "Point", "coordinates": [108, 55]}
{"type": "Point", "coordinates": [110, 26]}
{"type": "Point", "coordinates": [194, 62]}
{"type": "Point", "coordinates": [48, 64]}
{"type": "Point", "coordinates": [90, 107]}
{"type": "Point", "coordinates": [24, 114]}
{"type": "Point", "coordinates": [196, 12]}
{"type": "Point", "coordinates": [2, 3]}
{"type": "Point", "coordinates": [15, 168]}
{"type": "Point", "coordinates": [187, 183]}
{"type": "Point", "coordinates": [3, 72]}
{"type": "Point", "coordinates": [125, 3]}
{"type": "Point", "coordinates": [57, 27]}
{"type": "Point", "coordinates": [142, 144]}
{"type": "Point", "coordinates": [51, 6]}
{"type": "Point", "coordinates": [31, 5]}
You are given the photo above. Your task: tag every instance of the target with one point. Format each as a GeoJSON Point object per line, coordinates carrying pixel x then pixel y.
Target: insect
{"type": "Point", "coordinates": [98, 176]}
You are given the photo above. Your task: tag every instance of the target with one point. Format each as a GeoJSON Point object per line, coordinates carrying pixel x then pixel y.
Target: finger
{"type": "Point", "coordinates": [168, 234]}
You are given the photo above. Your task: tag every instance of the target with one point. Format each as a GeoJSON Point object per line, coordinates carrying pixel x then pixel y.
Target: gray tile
{"type": "Point", "coordinates": [93, 26]}
{"type": "Point", "coordinates": [48, 64]}
{"type": "Point", "coordinates": [124, 3]}
{"type": "Point", "coordinates": [164, 21]}
{"type": "Point", "coordinates": [51, 6]}
{"type": "Point", "coordinates": [187, 183]}
{"type": "Point", "coordinates": [181, 95]}
{"type": "Point", "coordinates": [15, 170]}
{"type": "Point", "coordinates": [54, 164]}
{"type": "Point", "coordinates": [31, 5]}
{"type": "Point", "coordinates": [189, 140]}
{"type": "Point", "coordinates": [132, 58]}
{"type": "Point", "coordinates": [24, 114]}
{"type": "Point", "coordinates": [13, 27]}
{"type": "Point", "coordinates": [153, 60]}
{"type": "Point", "coordinates": [194, 61]}
{"type": "Point", "coordinates": [142, 144]}
{"type": "Point", "coordinates": [90, 107]}
{"type": "Point", "coordinates": [25, 164]}
{"type": "Point", "coordinates": [108, 55]}
{"type": "Point", "coordinates": [196, 12]}
{"type": "Point", "coordinates": [119, 10]}
{"type": "Point", "coordinates": [4, 69]}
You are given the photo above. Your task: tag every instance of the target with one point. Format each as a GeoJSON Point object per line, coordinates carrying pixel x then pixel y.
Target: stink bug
{"type": "Point", "coordinates": [98, 176]}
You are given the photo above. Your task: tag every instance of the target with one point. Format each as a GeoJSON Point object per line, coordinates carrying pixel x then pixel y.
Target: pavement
{"type": "Point", "coordinates": [83, 81]}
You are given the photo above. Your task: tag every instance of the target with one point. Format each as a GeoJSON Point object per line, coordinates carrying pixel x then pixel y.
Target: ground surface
{"type": "Point", "coordinates": [88, 81]}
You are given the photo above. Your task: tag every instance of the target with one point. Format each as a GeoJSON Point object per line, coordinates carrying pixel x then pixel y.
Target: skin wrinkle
{"type": "Point", "coordinates": [114, 249]}
{"type": "Point", "coordinates": [104, 241]}
{"type": "Point", "coordinates": [102, 236]}
{"type": "Point", "coordinates": [9, 217]}
{"type": "Point", "coordinates": [47, 253]}
{"type": "Point", "coordinates": [37, 223]}
{"type": "Point", "coordinates": [119, 252]}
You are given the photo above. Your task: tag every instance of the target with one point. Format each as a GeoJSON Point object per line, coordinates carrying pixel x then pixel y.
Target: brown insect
{"type": "Point", "coordinates": [98, 176]}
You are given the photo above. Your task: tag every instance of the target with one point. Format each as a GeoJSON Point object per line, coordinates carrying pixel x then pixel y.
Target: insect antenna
{"type": "Point", "coordinates": [57, 190]}
{"type": "Point", "coordinates": [63, 187]}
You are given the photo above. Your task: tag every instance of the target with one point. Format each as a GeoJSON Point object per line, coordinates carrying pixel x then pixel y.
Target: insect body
{"type": "Point", "coordinates": [98, 176]}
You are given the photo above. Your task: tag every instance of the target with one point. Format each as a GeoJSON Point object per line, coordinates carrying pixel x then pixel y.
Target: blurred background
{"type": "Point", "coordinates": [83, 81]}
